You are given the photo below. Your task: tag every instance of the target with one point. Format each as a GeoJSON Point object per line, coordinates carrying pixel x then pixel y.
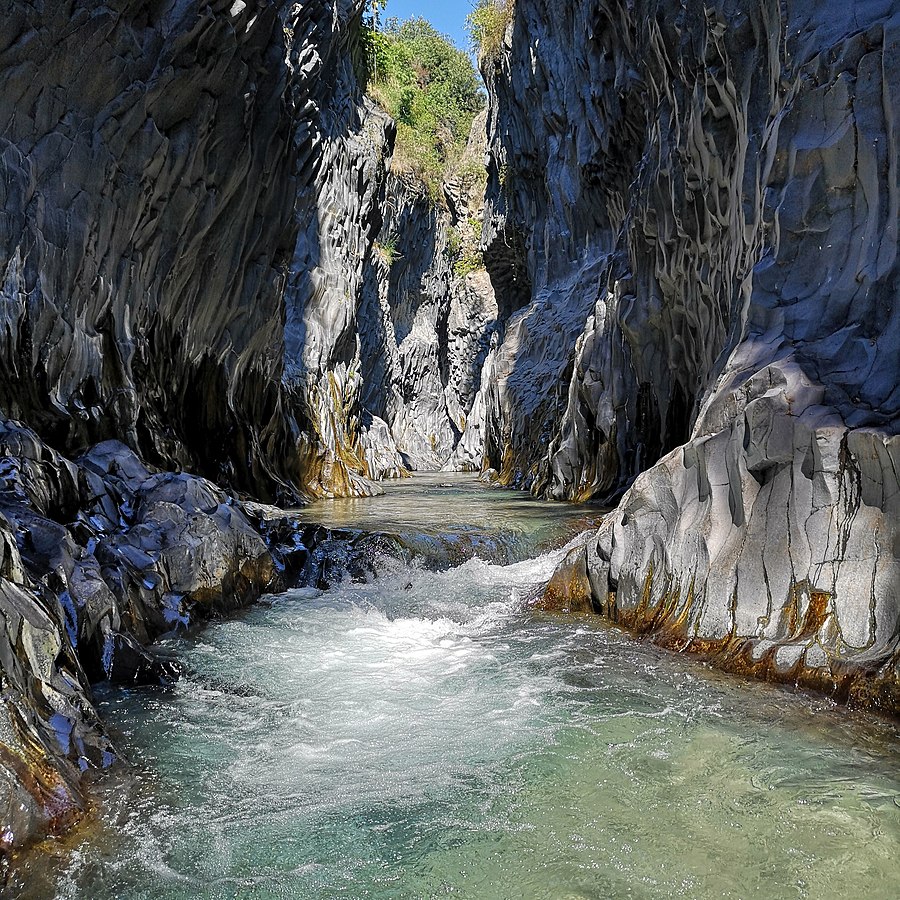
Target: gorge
{"type": "Point", "coordinates": [224, 298]}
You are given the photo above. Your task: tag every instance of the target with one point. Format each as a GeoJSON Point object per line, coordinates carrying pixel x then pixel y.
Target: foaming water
{"type": "Point", "coordinates": [423, 735]}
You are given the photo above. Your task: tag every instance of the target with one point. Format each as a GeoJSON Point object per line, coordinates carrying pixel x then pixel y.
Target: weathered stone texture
{"type": "Point", "coordinates": [98, 557]}
{"type": "Point", "coordinates": [190, 199]}
{"type": "Point", "coordinates": [424, 330]}
{"type": "Point", "coordinates": [712, 190]}
{"type": "Point", "coordinates": [383, 342]}
{"type": "Point", "coordinates": [147, 192]}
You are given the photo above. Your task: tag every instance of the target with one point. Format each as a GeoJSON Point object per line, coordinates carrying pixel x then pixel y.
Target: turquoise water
{"type": "Point", "coordinates": [425, 735]}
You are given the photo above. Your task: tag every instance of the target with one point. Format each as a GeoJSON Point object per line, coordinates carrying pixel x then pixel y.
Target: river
{"type": "Point", "coordinates": [424, 734]}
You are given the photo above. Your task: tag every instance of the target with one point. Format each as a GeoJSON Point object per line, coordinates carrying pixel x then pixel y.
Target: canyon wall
{"type": "Point", "coordinates": [191, 196]}
{"type": "Point", "coordinates": [147, 198]}
{"type": "Point", "coordinates": [192, 205]}
{"type": "Point", "coordinates": [692, 224]}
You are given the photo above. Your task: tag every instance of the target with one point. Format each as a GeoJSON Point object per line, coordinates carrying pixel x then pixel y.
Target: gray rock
{"type": "Point", "coordinates": [147, 198]}
{"type": "Point", "coordinates": [98, 556]}
{"type": "Point", "coordinates": [707, 197]}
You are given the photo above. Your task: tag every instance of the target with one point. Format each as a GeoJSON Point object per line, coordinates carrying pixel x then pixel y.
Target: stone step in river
{"type": "Point", "coordinates": [424, 734]}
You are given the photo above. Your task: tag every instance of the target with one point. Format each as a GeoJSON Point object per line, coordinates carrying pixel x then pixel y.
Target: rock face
{"type": "Point", "coordinates": [147, 192]}
{"type": "Point", "coordinates": [383, 340]}
{"type": "Point", "coordinates": [425, 329]}
{"type": "Point", "coordinates": [195, 199]}
{"type": "Point", "coordinates": [98, 556]}
{"type": "Point", "coordinates": [693, 214]}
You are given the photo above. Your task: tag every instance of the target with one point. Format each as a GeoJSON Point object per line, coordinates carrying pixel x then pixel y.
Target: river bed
{"type": "Point", "coordinates": [426, 735]}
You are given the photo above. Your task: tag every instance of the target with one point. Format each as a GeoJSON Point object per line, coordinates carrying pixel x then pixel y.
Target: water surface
{"type": "Point", "coordinates": [424, 735]}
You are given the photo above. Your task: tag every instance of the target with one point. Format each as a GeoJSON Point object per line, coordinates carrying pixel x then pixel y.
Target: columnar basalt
{"type": "Point", "coordinates": [147, 193]}
{"type": "Point", "coordinates": [713, 192]}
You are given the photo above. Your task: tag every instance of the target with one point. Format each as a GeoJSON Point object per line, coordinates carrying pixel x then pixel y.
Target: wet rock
{"type": "Point", "coordinates": [569, 590]}
{"type": "Point", "coordinates": [692, 227]}
{"type": "Point", "coordinates": [98, 556]}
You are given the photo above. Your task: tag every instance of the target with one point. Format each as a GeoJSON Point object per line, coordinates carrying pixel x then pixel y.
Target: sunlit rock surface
{"type": "Point", "coordinates": [693, 211]}
{"type": "Point", "coordinates": [383, 340]}
{"type": "Point", "coordinates": [424, 329]}
{"type": "Point", "coordinates": [98, 556]}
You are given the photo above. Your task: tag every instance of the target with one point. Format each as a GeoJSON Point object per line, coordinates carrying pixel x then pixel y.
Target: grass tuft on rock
{"type": "Point", "coordinates": [487, 25]}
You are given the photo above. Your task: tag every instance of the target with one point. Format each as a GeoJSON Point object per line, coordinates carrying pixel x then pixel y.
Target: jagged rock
{"type": "Point", "coordinates": [208, 263]}
{"type": "Point", "coordinates": [425, 330]}
{"type": "Point", "coordinates": [707, 194]}
{"type": "Point", "coordinates": [383, 458]}
{"type": "Point", "coordinates": [569, 590]}
{"type": "Point", "coordinates": [384, 341]}
{"type": "Point", "coordinates": [148, 161]}
{"type": "Point", "coordinates": [98, 556]}
{"type": "Point", "coordinates": [190, 199]}
{"type": "Point", "coordinates": [186, 250]}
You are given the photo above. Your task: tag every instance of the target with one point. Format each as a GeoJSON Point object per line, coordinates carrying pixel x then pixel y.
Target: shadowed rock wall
{"type": "Point", "coordinates": [190, 197]}
{"type": "Point", "coordinates": [694, 210]}
{"type": "Point", "coordinates": [147, 192]}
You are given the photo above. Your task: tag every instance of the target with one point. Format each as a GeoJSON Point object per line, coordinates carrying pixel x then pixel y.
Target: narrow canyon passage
{"type": "Point", "coordinates": [424, 734]}
{"type": "Point", "coordinates": [365, 390]}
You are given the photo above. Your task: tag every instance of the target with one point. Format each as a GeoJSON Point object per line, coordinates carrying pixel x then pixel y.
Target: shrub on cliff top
{"type": "Point", "coordinates": [487, 25]}
{"type": "Point", "coordinates": [429, 87]}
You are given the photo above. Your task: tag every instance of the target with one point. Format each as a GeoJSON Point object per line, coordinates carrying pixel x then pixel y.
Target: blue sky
{"type": "Point", "coordinates": [448, 16]}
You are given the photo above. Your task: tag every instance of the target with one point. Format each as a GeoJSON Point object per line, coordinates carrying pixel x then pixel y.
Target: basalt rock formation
{"type": "Point", "coordinates": [693, 216]}
{"type": "Point", "coordinates": [383, 340]}
{"type": "Point", "coordinates": [100, 555]}
{"type": "Point", "coordinates": [148, 172]}
{"type": "Point", "coordinates": [148, 164]}
{"type": "Point", "coordinates": [191, 199]}
{"type": "Point", "coordinates": [425, 330]}
{"type": "Point", "coordinates": [210, 263]}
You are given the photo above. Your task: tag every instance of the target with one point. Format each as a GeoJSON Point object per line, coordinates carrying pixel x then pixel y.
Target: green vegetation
{"type": "Point", "coordinates": [462, 248]}
{"type": "Point", "coordinates": [472, 175]}
{"type": "Point", "coordinates": [470, 260]}
{"type": "Point", "coordinates": [430, 89]}
{"type": "Point", "coordinates": [387, 250]}
{"type": "Point", "coordinates": [487, 24]}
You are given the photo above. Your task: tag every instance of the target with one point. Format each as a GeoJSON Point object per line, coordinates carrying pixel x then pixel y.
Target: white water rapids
{"type": "Point", "coordinates": [425, 735]}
